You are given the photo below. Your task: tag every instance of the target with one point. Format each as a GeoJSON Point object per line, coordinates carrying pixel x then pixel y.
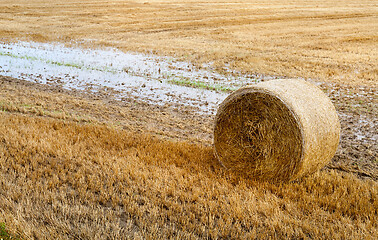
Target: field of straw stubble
{"type": "Point", "coordinates": [329, 40]}
{"type": "Point", "coordinates": [79, 165]}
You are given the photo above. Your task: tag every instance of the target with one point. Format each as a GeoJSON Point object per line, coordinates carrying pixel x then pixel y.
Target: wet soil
{"type": "Point", "coordinates": [356, 107]}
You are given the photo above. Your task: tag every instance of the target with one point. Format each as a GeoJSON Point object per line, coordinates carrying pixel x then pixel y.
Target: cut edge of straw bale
{"type": "Point", "coordinates": [308, 110]}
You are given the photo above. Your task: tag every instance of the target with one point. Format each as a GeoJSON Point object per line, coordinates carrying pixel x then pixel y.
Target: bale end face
{"type": "Point", "coordinates": [261, 132]}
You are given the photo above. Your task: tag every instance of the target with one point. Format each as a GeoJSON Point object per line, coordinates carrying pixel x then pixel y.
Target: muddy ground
{"type": "Point", "coordinates": [356, 107]}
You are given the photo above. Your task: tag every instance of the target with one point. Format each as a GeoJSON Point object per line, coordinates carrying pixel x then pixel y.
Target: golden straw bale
{"type": "Point", "coordinates": [278, 130]}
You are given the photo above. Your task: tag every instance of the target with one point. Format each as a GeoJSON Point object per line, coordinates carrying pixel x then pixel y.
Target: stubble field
{"type": "Point", "coordinates": [330, 40]}
{"type": "Point", "coordinates": [80, 164]}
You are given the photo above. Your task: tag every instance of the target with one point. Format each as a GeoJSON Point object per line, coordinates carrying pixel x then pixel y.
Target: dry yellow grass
{"type": "Point", "coordinates": [328, 40]}
{"type": "Point", "coordinates": [64, 180]}
{"type": "Point", "coordinates": [76, 168]}
{"type": "Point", "coordinates": [65, 177]}
{"type": "Point", "coordinates": [28, 98]}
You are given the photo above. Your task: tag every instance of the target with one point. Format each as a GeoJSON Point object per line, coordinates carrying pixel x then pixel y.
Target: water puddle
{"type": "Point", "coordinates": [149, 78]}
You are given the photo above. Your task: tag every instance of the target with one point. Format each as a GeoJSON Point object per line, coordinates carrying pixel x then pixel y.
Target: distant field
{"type": "Point", "coordinates": [325, 40]}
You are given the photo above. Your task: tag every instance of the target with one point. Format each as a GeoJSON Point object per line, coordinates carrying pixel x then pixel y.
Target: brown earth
{"type": "Point", "coordinates": [332, 41]}
{"type": "Point", "coordinates": [83, 166]}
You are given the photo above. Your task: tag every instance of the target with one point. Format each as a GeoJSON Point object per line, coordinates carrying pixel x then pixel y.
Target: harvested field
{"type": "Point", "coordinates": [326, 40]}
{"type": "Point", "coordinates": [100, 144]}
{"type": "Point", "coordinates": [79, 165]}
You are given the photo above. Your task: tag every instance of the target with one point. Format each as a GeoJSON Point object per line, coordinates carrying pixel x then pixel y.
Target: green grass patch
{"type": "Point", "coordinates": [65, 64]}
{"type": "Point", "coordinates": [197, 84]}
{"type": "Point", "coordinates": [5, 235]}
{"type": "Point", "coordinates": [18, 56]}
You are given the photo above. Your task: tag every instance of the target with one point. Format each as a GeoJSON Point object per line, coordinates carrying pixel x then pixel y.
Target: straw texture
{"type": "Point", "coordinates": [277, 131]}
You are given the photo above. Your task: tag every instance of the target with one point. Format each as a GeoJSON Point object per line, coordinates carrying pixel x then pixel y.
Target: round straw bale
{"type": "Point", "coordinates": [277, 131]}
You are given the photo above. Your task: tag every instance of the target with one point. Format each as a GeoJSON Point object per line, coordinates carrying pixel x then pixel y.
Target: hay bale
{"type": "Point", "coordinates": [277, 131]}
